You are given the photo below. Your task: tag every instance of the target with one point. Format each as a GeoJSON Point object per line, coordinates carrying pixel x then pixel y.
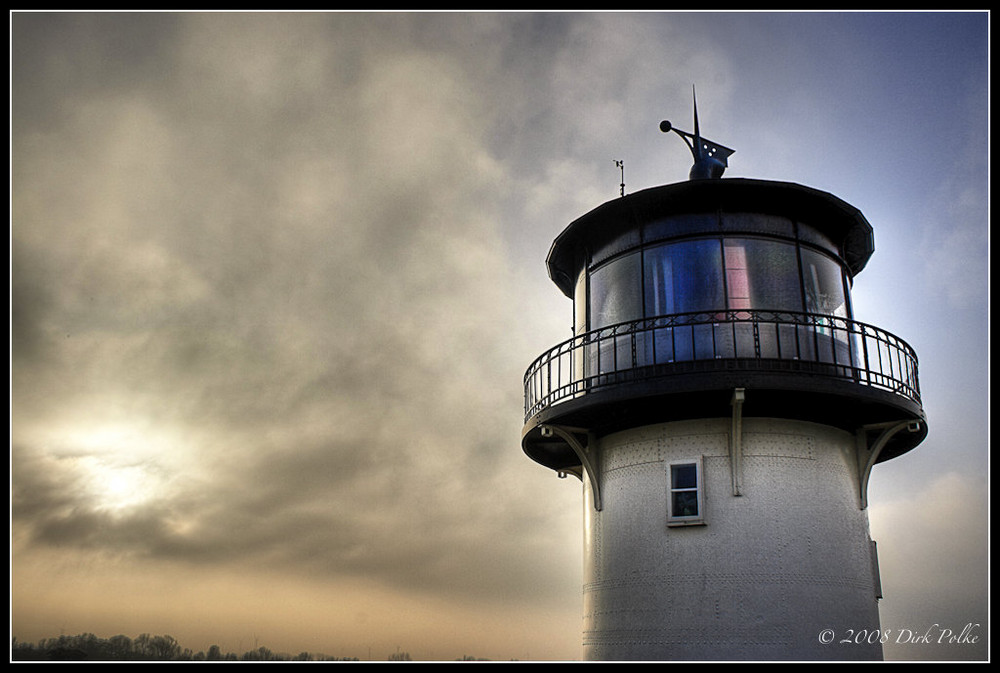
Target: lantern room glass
{"type": "Point", "coordinates": [712, 275]}
{"type": "Point", "coordinates": [683, 277]}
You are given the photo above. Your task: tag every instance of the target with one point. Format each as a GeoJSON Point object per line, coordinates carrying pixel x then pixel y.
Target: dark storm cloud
{"type": "Point", "coordinates": [30, 301]}
{"type": "Point", "coordinates": [40, 487]}
{"type": "Point", "coordinates": [58, 58]}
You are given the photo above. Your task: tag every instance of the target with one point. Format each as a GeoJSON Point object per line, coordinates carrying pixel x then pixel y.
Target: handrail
{"type": "Point", "coordinates": [647, 347]}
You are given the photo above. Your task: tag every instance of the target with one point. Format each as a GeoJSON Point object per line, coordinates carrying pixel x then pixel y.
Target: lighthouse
{"type": "Point", "coordinates": [723, 408]}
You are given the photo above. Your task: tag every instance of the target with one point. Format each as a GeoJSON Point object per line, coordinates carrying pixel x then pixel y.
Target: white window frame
{"type": "Point", "coordinates": [699, 489]}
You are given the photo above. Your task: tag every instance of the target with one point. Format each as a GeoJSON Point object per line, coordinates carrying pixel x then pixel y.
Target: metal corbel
{"type": "Point", "coordinates": [868, 454]}
{"type": "Point", "coordinates": [571, 437]}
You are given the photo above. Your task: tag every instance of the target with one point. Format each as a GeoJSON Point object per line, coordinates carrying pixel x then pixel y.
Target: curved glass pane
{"type": "Point", "coordinates": [615, 297]}
{"type": "Point", "coordinates": [615, 292]}
{"type": "Point", "coordinates": [822, 282]}
{"type": "Point", "coordinates": [762, 274]}
{"type": "Point", "coordinates": [580, 304]}
{"type": "Point", "coordinates": [824, 286]}
{"type": "Point", "coordinates": [682, 277]}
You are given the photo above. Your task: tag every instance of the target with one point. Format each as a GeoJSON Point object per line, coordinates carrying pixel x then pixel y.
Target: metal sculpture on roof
{"type": "Point", "coordinates": [710, 158]}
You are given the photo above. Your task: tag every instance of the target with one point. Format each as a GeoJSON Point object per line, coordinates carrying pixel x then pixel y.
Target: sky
{"type": "Point", "coordinates": [276, 278]}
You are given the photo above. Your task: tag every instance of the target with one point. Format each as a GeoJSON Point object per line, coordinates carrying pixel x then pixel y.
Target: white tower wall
{"type": "Point", "coordinates": [770, 573]}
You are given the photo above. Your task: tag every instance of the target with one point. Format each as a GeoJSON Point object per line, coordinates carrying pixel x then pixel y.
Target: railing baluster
{"type": "Point", "coordinates": [864, 347]}
{"type": "Point", "coordinates": [652, 345]}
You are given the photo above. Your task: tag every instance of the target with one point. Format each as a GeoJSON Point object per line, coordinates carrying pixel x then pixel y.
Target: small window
{"type": "Point", "coordinates": [685, 502]}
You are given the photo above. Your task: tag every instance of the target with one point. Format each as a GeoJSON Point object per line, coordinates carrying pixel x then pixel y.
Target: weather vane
{"type": "Point", "coordinates": [710, 159]}
{"type": "Point", "coordinates": [620, 163]}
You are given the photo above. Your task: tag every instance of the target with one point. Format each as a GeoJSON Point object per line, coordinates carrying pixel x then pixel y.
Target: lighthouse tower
{"type": "Point", "coordinates": [723, 409]}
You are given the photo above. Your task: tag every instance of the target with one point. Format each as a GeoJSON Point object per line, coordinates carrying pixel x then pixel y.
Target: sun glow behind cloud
{"type": "Point", "coordinates": [118, 487]}
{"type": "Point", "coordinates": [120, 467]}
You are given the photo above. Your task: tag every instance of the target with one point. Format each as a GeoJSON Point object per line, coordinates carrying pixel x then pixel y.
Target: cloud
{"type": "Point", "coordinates": [288, 296]}
{"type": "Point", "coordinates": [954, 227]}
{"type": "Point", "coordinates": [934, 561]}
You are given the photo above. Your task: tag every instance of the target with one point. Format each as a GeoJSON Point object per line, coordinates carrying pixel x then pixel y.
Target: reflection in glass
{"type": "Point", "coordinates": [684, 476]}
{"type": "Point", "coordinates": [685, 503]}
{"type": "Point", "coordinates": [762, 274]}
{"type": "Point", "coordinates": [615, 297]}
{"type": "Point", "coordinates": [683, 277]}
{"type": "Point", "coordinates": [578, 363]}
{"type": "Point", "coordinates": [824, 294]}
{"type": "Point", "coordinates": [615, 291]}
{"type": "Point", "coordinates": [824, 288]}
{"type": "Point", "coordinates": [580, 304]}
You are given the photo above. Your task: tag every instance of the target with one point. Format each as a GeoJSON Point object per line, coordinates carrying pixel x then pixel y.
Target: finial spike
{"type": "Point", "coordinates": [697, 133]}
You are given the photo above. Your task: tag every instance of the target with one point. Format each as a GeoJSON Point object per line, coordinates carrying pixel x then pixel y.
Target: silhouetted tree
{"type": "Point", "coordinates": [143, 646]}
{"type": "Point", "coordinates": [147, 647]}
{"type": "Point", "coordinates": [120, 647]}
{"type": "Point", "coordinates": [165, 648]}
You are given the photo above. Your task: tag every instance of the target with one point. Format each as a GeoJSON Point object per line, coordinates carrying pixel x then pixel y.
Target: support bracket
{"type": "Point", "coordinates": [572, 437]}
{"type": "Point", "coordinates": [867, 453]}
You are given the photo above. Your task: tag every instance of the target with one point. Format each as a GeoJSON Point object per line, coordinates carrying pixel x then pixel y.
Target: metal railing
{"type": "Point", "coordinates": [766, 340]}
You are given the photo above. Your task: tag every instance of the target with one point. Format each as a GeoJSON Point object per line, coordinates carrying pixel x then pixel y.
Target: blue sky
{"type": "Point", "coordinates": [276, 279]}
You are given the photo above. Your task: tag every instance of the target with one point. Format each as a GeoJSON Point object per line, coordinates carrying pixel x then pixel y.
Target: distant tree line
{"type": "Point", "coordinates": [145, 647]}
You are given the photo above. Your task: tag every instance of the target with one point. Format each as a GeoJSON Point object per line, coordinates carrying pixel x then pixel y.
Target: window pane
{"type": "Point", "coordinates": [762, 274]}
{"type": "Point", "coordinates": [683, 277]}
{"type": "Point", "coordinates": [580, 304]}
{"type": "Point", "coordinates": [737, 275]}
{"type": "Point", "coordinates": [683, 476]}
{"type": "Point", "coordinates": [823, 284]}
{"type": "Point", "coordinates": [685, 503]}
{"type": "Point", "coordinates": [824, 293]}
{"type": "Point", "coordinates": [615, 290]}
